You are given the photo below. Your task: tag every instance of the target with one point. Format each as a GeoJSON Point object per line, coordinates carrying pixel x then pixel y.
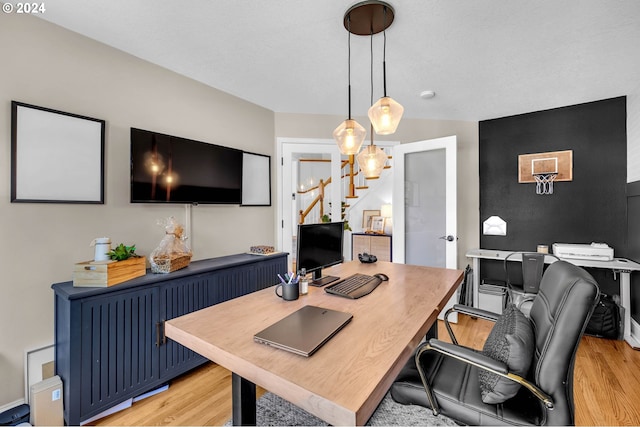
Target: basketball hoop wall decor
{"type": "Point", "coordinates": [545, 168]}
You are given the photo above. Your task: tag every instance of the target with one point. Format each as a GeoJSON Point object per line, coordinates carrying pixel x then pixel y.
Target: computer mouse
{"type": "Point", "coordinates": [381, 276]}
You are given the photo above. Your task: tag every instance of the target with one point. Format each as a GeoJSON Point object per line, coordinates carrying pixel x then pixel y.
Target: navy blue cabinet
{"type": "Point", "coordinates": [110, 343]}
{"type": "Point", "coordinates": [115, 347]}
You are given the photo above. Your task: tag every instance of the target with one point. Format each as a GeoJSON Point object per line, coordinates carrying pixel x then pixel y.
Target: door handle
{"type": "Point", "coordinates": [448, 238]}
{"type": "Point", "coordinates": [158, 334]}
{"type": "Point", "coordinates": [161, 338]}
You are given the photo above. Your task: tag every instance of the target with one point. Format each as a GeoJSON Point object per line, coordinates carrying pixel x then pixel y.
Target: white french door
{"type": "Point", "coordinates": [424, 203]}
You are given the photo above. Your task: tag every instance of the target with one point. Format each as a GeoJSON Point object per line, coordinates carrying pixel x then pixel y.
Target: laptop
{"type": "Point", "coordinates": [305, 330]}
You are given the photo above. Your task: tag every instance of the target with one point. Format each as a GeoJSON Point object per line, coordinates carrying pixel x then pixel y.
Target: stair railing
{"type": "Point", "coordinates": [356, 181]}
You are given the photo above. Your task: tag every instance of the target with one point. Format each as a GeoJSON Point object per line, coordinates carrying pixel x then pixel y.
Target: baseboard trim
{"type": "Point", "coordinates": [11, 405]}
{"type": "Point", "coordinates": [634, 338]}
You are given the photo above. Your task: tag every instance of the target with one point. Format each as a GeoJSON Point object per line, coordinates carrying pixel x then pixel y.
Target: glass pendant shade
{"type": "Point", "coordinates": [349, 135]}
{"type": "Point", "coordinates": [371, 161]}
{"type": "Point", "coordinates": [385, 115]}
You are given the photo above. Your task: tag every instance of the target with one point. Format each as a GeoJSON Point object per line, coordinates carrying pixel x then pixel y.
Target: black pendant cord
{"type": "Point", "coordinates": [384, 53]}
{"type": "Point", "coordinates": [371, 67]}
{"type": "Point", "coordinates": [349, 66]}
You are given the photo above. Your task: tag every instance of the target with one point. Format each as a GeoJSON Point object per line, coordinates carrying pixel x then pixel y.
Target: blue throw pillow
{"type": "Point", "coordinates": [511, 341]}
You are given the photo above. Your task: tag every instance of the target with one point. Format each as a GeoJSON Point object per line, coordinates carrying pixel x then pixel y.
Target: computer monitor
{"type": "Point", "coordinates": [320, 246]}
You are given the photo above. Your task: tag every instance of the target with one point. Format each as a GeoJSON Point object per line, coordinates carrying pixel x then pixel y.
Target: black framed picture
{"type": "Point", "coordinates": [56, 157]}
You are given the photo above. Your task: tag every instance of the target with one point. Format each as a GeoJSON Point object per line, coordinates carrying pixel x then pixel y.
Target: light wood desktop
{"type": "Point", "coordinates": [345, 380]}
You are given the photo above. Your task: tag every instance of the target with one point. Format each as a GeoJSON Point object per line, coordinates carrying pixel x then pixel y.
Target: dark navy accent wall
{"type": "Point", "coordinates": [633, 243]}
{"type": "Point", "coordinates": [591, 208]}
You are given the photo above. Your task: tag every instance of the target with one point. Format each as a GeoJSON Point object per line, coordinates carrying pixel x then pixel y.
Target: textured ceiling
{"type": "Point", "coordinates": [483, 58]}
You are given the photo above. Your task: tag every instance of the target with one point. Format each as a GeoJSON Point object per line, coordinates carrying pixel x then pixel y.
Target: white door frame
{"type": "Point", "coordinates": [284, 148]}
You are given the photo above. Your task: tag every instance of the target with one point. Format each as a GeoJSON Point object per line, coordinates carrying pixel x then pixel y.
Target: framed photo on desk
{"type": "Point", "coordinates": [366, 218]}
{"type": "Point", "coordinates": [377, 224]}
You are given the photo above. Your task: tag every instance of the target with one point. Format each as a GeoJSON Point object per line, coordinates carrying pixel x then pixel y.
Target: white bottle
{"type": "Point", "coordinates": [304, 283]}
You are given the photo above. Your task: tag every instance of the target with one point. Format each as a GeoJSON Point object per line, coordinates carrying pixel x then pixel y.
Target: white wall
{"type": "Point", "coordinates": [633, 137]}
{"type": "Point", "coordinates": [48, 66]}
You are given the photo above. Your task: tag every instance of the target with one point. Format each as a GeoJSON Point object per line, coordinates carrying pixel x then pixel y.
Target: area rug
{"type": "Point", "coordinates": [272, 410]}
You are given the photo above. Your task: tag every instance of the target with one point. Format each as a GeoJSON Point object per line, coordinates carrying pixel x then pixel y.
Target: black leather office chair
{"type": "Point", "coordinates": [446, 377]}
{"type": "Point", "coordinates": [532, 268]}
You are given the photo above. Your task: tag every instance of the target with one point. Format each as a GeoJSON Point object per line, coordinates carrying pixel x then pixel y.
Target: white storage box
{"type": "Point", "coordinates": [594, 251]}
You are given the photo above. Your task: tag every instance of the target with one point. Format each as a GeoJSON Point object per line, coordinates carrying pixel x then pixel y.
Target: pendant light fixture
{"type": "Point", "coordinates": [372, 159]}
{"type": "Point", "coordinates": [366, 19]}
{"type": "Point", "coordinates": [349, 134]}
{"type": "Point", "coordinates": [386, 113]}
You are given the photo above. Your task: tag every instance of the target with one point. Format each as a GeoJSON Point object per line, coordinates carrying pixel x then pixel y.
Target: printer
{"type": "Point", "coordinates": [594, 251]}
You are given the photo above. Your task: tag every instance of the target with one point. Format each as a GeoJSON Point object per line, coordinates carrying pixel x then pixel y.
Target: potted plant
{"type": "Point", "coordinates": [122, 252]}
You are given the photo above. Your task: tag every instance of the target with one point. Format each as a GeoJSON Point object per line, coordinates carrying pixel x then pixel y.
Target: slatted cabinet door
{"type": "Point", "coordinates": [178, 298]}
{"type": "Point", "coordinates": [118, 354]}
{"type": "Point", "coordinates": [234, 282]}
{"type": "Point", "coordinates": [266, 272]}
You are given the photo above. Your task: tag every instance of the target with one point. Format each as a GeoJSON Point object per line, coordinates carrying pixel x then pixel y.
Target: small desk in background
{"type": "Point", "coordinates": [373, 244]}
{"type": "Point", "coordinates": [621, 266]}
{"type": "Point", "coordinates": [345, 380]}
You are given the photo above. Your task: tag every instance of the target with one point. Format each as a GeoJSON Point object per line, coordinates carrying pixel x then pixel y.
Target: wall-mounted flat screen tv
{"type": "Point", "coordinates": [170, 169]}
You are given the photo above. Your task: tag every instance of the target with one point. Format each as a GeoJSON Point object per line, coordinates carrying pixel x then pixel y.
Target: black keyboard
{"type": "Point", "coordinates": [355, 286]}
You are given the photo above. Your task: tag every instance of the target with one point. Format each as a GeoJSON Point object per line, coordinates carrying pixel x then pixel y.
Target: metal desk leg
{"type": "Point", "coordinates": [476, 282]}
{"type": "Point", "coordinates": [243, 393]}
{"type": "Point", "coordinates": [433, 331]}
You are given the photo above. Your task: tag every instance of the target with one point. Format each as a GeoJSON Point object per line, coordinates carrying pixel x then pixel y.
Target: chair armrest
{"type": "Point", "coordinates": [470, 311]}
{"type": "Point", "coordinates": [472, 357]}
{"type": "Point", "coordinates": [476, 312]}
{"type": "Point", "coordinates": [469, 355]}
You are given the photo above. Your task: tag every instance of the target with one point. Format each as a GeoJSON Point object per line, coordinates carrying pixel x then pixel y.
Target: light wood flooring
{"type": "Point", "coordinates": [606, 387]}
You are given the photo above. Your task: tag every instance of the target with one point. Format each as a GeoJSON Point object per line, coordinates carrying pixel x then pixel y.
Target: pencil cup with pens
{"type": "Point", "coordinates": [290, 287]}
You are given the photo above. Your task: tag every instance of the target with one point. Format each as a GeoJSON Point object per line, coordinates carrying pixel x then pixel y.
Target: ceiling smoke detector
{"type": "Point", "coordinates": [427, 94]}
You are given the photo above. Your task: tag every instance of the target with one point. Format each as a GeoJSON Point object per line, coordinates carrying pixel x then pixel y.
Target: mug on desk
{"type": "Point", "coordinates": [290, 291]}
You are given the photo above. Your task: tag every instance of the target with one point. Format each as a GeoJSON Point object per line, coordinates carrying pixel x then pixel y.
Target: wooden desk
{"type": "Point", "coordinates": [345, 380]}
